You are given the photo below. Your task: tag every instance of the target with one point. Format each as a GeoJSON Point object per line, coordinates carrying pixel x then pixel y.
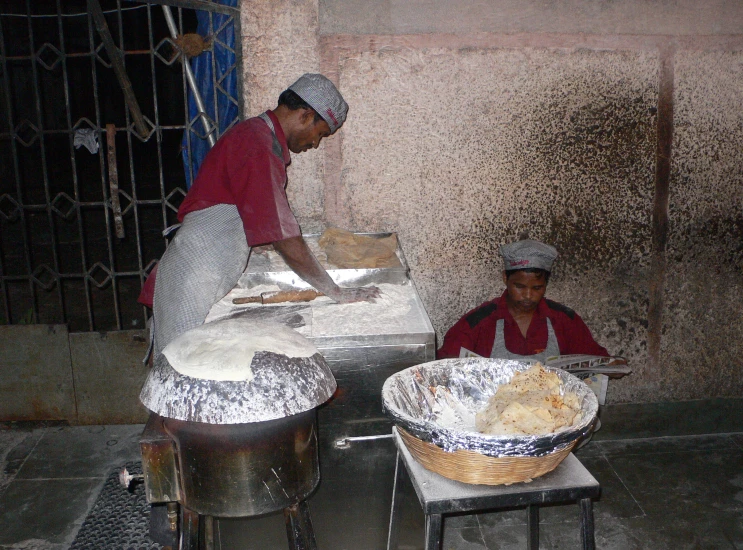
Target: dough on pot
{"type": "Point", "coordinates": [224, 350]}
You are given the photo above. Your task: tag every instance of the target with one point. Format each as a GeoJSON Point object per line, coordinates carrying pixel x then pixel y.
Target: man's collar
{"type": "Point", "coordinates": [280, 136]}
{"type": "Point", "coordinates": [502, 303]}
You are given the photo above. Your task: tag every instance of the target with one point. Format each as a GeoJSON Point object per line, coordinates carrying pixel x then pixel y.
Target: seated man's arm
{"type": "Point", "coordinates": [580, 340]}
{"type": "Point", "coordinates": [459, 336]}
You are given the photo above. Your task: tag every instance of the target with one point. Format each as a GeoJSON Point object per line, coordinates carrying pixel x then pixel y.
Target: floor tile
{"type": "Point", "coordinates": [737, 439]}
{"type": "Point", "coordinates": [466, 538]}
{"type": "Point", "coordinates": [507, 537]}
{"type": "Point", "coordinates": [688, 484]}
{"type": "Point", "coordinates": [592, 448]}
{"type": "Point", "coordinates": [679, 418]}
{"type": "Point", "coordinates": [82, 451]}
{"type": "Point", "coordinates": [50, 510]}
{"type": "Point", "coordinates": [15, 447]}
{"type": "Point", "coordinates": [691, 443]}
{"type": "Point", "coordinates": [251, 534]}
{"type": "Point", "coordinates": [616, 501]}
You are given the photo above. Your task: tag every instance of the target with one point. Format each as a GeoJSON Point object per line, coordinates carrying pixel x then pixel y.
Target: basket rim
{"type": "Point", "coordinates": [472, 467]}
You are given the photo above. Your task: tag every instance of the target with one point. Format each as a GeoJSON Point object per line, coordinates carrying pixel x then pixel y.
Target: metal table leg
{"type": "Point", "coordinates": [208, 532]}
{"type": "Point", "coordinates": [394, 527]}
{"type": "Point", "coordinates": [189, 530]}
{"type": "Point", "coordinates": [532, 527]}
{"type": "Point", "coordinates": [434, 531]}
{"type": "Point", "coordinates": [299, 529]}
{"type": "Point", "coordinates": [586, 524]}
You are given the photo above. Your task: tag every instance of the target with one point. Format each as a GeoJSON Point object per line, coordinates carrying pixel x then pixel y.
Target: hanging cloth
{"type": "Point", "coordinates": [221, 31]}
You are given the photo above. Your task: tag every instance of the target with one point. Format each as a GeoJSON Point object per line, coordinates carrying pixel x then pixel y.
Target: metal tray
{"type": "Point", "coordinates": [267, 267]}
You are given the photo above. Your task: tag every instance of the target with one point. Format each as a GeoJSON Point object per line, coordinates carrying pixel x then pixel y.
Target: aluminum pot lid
{"type": "Point", "coordinates": [261, 371]}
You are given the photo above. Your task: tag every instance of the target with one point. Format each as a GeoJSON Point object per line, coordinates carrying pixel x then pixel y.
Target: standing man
{"type": "Point", "coordinates": [238, 201]}
{"type": "Point", "coordinates": [522, 324]}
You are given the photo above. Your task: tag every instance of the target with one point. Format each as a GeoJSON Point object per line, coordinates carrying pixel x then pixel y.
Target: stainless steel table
{"type": "Point", "coordinates": [356, 456]}
{"type": "Point", "coordinates": [438, 496]}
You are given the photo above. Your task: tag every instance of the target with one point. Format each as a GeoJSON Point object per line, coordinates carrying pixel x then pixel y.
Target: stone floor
{"type": "Point", "coordinates": [677, 491]}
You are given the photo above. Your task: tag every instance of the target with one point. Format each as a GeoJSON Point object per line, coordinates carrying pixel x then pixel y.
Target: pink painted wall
{"type": "Point", "coordinates": [472, 123]}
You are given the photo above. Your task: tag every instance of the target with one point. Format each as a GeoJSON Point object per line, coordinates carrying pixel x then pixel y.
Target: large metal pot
{"type": "Point", "coordinates": [235, 448]}
{"type": "Point", "coordinates": [236, 470]}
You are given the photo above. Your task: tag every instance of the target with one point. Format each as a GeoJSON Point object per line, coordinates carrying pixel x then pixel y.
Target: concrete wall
{"type": "Point", "coordinates": [612, 130]}
{"type": "Point", "coordinates": [83, 377]}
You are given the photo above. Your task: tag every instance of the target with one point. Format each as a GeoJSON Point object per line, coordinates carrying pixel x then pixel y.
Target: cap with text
{"type": "Point", "coordinates": [528, 254]}
{"type": "Point", "coordinates": [322, 95]}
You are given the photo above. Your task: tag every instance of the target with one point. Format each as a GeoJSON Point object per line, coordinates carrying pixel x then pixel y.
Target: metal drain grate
{"type": "Point", "coordinates": [119, 519]}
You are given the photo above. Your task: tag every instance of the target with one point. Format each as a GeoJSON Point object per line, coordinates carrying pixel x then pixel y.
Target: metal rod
{"type": "Point", "coordinates": [238, 49]}
{"type": "Point", "coordinates": [191, 80]}
{"type": "Point", "coordinates": [44, 172]}
{"type": "Point", "coordinates": [4, 82]}
{"type": "Point", "coordinates": [161, 176]}
{"type": "Point", "coordinates": [196, 5]}
{"type": "Point", "coordinates": [346, 441]}
{"type": "Point", "coordinates": [113, 180]}
{"type": "Point", "coordinates": [71, 140]}
{"type": "Point", "coordinates": [117, 63]}
{"type": "Point", "coordinates": [102, 169]}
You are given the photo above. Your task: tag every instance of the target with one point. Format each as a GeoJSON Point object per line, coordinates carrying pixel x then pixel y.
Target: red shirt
{"type": "Point", "coordinates": [247, 168]}
{"type": "Point", "coordinates": [476, 331]}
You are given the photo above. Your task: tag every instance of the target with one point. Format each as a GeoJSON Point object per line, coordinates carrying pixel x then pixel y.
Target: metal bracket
{"type": "Point", "coordinates": [345, 442]}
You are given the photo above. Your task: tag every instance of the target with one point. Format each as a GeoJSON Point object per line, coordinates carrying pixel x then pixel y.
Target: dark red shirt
{"type": "Point", "coordinates": [476, 331]}
{"type": "Point", "coordinates": [247, 168]}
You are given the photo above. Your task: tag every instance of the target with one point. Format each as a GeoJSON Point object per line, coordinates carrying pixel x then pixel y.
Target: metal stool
{"type": "Point", "coordinates": [569, 482]}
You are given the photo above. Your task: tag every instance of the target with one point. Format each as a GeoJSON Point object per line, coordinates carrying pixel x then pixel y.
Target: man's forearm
{"type": "Point", "coordinates": [302, 261]}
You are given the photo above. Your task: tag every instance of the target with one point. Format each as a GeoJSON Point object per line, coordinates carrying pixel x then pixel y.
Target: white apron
{"type": "Point", "coordinates": [499, 350]}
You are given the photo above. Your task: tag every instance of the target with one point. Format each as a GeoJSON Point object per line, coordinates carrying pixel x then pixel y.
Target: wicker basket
{"type": "Point", "coordinates": [472, 467]}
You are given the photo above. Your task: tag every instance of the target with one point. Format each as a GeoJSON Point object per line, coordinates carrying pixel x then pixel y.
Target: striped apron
{"type": "Point", "coordinates": [201, 265]}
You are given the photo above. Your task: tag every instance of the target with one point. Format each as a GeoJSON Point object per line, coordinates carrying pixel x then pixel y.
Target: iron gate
{"type": "Point", "coordinates": [87, 183]}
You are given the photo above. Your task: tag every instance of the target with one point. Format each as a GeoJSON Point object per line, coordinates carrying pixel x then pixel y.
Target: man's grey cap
{"type": "Point", "coordinates": [528, 254]}
{"type": "Point", "coordinates": [322, 95]}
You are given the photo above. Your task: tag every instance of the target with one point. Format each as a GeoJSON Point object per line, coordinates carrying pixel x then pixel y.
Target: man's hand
{"type": "Point", "coordinates": [299, 257]}
{"type": "Point", "coordinates": [349, 295]}
{"type": "Point", "coordinates": [617, 361]}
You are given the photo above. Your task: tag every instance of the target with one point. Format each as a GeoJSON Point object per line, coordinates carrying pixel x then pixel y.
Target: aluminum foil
{"type": "Point", "coordinates": [282, 386]}
{"type": "Point", "coordinates": [437, 402]}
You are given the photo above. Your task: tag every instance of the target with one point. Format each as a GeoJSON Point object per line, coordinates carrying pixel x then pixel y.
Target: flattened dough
{"type": "Point", "coordinates": [224, 350]}
{"type": "Point", "coordinates": [530, 404]}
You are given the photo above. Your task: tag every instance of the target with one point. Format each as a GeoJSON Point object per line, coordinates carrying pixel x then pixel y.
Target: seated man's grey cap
{"type": "Point", "coordinates": [528, 254]}
{"type": "Point", "coordinates": [322, 95]}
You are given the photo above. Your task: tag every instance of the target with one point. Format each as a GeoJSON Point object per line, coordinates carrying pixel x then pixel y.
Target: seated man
{"type": "Point", "coordinates": [522, 324]}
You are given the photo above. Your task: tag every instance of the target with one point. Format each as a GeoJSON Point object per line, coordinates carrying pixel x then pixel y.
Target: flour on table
{"type": "Point", "coordinates": [386, 314]}
{"type": "Point", "coordinates": [224, 350]}
{"type": "Point", "coordinates": [391, 313]}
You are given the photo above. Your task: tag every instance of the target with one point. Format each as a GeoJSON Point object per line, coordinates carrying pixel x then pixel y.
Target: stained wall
{"type": "Point", "coordinates": [611, 130]}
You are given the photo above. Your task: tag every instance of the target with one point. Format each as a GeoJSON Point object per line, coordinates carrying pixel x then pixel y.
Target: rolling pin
{"type": "Point", "coordinates": [279, 296]}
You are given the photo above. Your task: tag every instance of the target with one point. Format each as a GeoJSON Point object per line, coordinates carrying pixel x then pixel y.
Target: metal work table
{"type": "Point", "coordinates": [353, 433]}
{"type": "Point", "coordinates": [569, 482]}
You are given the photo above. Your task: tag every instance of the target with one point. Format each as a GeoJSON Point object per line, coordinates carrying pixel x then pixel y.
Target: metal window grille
{"type": "Point", "coordinates": [81, 229]}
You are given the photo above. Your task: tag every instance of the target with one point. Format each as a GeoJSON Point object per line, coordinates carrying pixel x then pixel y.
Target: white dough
{"type": "Point", "coordinates": [223, 350]}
